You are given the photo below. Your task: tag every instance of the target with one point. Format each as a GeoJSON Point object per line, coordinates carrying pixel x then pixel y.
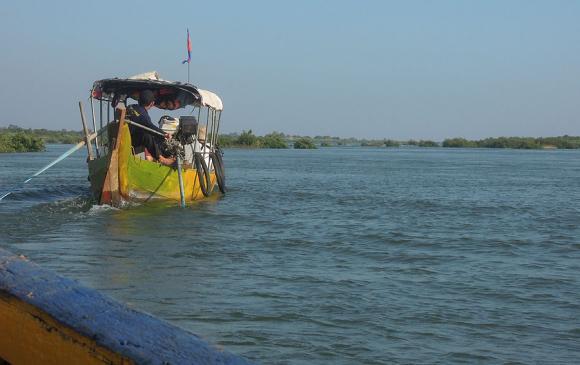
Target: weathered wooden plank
{"type": "Point", "coordinates": [110, 194]}
{"type": "Point", "coordinates": [86, 132]}
{"type": "Point", "coordinates": [89, 324]}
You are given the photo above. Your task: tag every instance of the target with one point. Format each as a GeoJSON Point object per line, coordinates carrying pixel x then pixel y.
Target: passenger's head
{"type": "Point", "coordinates": [168, 104]}
{"type": "Point", "coordinates": [146, 97]}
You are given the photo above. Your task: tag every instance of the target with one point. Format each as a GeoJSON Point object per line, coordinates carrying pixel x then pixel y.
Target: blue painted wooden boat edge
{"type": "Point", "coordinates": [136, 335]}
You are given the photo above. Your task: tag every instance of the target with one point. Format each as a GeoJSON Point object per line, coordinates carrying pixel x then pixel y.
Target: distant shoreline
{"type": "Point", "coordinates": [16, 139]}
{"type": "Point", "coordinates": [279, 140]}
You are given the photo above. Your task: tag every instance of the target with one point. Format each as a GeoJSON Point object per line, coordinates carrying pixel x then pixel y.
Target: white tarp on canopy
{"type": "Point", "coordinates": [210, 99]}
{"type": "Point", "coordinates": [151, 75]}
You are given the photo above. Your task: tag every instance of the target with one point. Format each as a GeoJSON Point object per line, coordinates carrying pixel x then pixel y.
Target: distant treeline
{"type": "Point", "coordinates": [247, 139]}
{"type": "Point", "coordinates": [16, 139]}
{"type": "Point", "coordinates": [393, 143]}
{"type": "Point", "coordinates": [528, 143]}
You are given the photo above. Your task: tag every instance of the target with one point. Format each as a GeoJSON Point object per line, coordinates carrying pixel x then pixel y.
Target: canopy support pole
{"type": "Point", "coordinates": [180, 176]}
{"type": "Point", "coordinates": [95, 126]}
{"type": "Point", "coordinates": [101, 117]}
{"type": "Point", "coordinates": [86, 132]}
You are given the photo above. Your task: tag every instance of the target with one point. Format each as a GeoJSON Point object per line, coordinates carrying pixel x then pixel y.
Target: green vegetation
{"type": "Point", "coordinates": [273, 140]}
{"type": "Point", "coordinates": [280, 140]}
{"type": "Point", "coordinates": [380, 143]}
{"type": "Point", "coordinates": [427, 143]}
{"type": "Point", "coordinates": [458, 142]}
{"type": "Point", "coordinates": [421, 143]}
{"type": "Point", "coordinates": [372, 143]}
{"type": "Point", "coordinates": [16, 139]}
{"type": "Point", "coordinates": [563, 142]}
{"type": "Point", "coordinates": [20, 142]}
{"type": "Point", "coordinates": [304, 143]}
{"type": "Point", "coordinates": [392, 143]}
{"type": "Point", "coordinates": [248, 140]}
{"type": "Point", "coordinates": [48, 136]}
{"type": "Point", "coordinates": [228, 140]}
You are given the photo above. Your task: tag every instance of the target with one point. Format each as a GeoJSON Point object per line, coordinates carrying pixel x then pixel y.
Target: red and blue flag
{"type": "Point", "coordinates": [188, 60]}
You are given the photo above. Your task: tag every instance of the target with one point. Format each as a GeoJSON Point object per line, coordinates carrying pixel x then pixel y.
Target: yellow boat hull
{"type": "Point", "coordinates": [135, 179]}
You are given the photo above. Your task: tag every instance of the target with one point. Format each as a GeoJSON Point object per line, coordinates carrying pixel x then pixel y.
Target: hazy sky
{"type": "Point", "coordinates": [395, 69]}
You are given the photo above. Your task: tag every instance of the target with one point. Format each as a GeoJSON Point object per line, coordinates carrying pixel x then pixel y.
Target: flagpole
{"type": "Point", "coordinates": [188, 60]}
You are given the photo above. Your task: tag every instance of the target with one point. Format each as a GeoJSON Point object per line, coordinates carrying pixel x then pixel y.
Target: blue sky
{"type": "Point", "coordinates": [374, 69]}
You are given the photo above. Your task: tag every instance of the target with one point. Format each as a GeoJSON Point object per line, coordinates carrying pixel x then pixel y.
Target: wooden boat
{"type": "Point", "coordinates": [48, 319]}
{"type": "Point", "coordinates": [118, 174]}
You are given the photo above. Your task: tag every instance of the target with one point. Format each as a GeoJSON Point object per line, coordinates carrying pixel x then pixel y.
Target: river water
{"type": "Point", "coordinates": [333, 256]}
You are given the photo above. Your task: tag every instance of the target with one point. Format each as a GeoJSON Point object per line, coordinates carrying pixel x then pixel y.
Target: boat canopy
{"type": "Point", "coordinates": [210, 99]}
{"type": "Point", "coordinates": [169, 95]}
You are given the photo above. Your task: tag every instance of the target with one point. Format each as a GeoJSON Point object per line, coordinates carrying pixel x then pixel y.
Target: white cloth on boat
{"type": "Point", "coordinates": [201, 147]}
{"type": "Point", "coordinates": [168, 124]}
{"type": "Point", "coordinates": [210, 99]}
{"type": "Point", "coordinates": [151, 75]}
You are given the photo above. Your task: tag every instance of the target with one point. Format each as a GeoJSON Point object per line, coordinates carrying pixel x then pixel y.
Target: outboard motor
{"type": "Point", "coordinates": [168, 124]}
{"type": "Point", "coordinates": [186, 130]}
{"type": "Point", "coordinates": [184, 135]}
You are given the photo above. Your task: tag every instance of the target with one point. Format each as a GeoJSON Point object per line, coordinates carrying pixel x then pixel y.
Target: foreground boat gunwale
{"type": "Point", "coordinates": [82, 318]}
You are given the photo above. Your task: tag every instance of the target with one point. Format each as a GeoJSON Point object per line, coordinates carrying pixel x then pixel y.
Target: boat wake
{"type": "Point", "coordinates": [97, 209]}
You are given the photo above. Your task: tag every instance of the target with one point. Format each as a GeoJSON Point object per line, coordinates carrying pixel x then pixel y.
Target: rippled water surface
{"type": "Point", "coordinates": [333, 256]}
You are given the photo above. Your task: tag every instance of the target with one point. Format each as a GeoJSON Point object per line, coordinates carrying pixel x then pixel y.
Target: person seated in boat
{"type": "Point", "coordinates": [169, 104]}
{"type": "Point", "coordinates": [138, 113]}
{"type": "Point", "coordinates": [172, 101]}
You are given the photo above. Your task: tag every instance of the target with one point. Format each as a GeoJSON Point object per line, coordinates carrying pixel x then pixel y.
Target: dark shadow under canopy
{"type": "Point", "coordinates": [168, 95]}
